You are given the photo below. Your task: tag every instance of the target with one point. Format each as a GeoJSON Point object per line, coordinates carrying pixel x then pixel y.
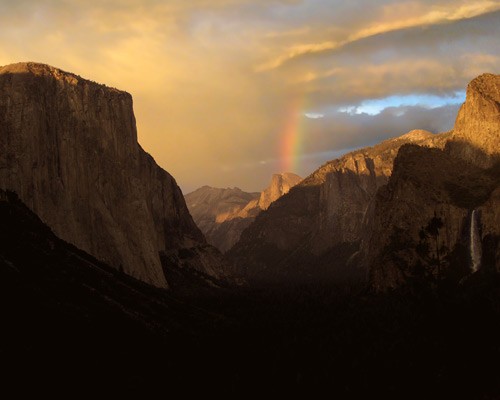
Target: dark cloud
{"type": "Point", "coordinates": [345, 131]}
{"type": "Point", "coordinates": [439, 59]}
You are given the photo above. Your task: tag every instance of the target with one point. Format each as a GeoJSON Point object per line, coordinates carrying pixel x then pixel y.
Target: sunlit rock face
{"type": "Point", "coordinates": [311, 233]}
{"type": "Point", "coordinates": [280, 185]}
{"type": "Point", "coordinates": [476, 135]}
{"type": "Point", "coordinates": [69, 150]}
{"type": "Point", "coordinates": [457, 187]}
{"type": "Point", "coordinates": [222, 214]}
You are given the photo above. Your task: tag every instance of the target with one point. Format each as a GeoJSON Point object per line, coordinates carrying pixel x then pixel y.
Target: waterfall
{"type": "Point", "coordinates": [475, 243]}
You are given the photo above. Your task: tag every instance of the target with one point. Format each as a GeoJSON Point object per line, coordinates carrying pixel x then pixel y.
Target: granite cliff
{"type": "Point", "coordinates": [280, 185]}
{"type": "Point", "coordinates": [476, 134]}
{"type": "Point", "coordinates": [222, 214]}
{"type": "Point", "coordinates": [69, 150]}
{"type": "Point", "coordinates": [438, 219]}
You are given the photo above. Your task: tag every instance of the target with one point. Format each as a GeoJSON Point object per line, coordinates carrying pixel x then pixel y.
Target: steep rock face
{"type": "Point", "coordinates": [437, 201]}
{"type": "Point", "coordinates": [476, 134]}
{"type": "Point", "coordinates": [69, 150]}
{"type": "Point", "coordinates": [427, 190]}
{"type": "Point", "coordinates": [279, 186]}
{"type": "Point", "coordinates": [311, 232]}
{"type": "Point", "coordinates": [222, 214]}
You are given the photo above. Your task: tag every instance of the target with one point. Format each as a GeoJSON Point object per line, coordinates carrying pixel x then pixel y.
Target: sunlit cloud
{"type": "Point", "coordinates": [213, 80]}
{"type": "Point", "coordinates": [313, 115]}
{"type": "Point", "coordinates": [395, 17]}
{"type": "Point", "coordinates": [408, 15]}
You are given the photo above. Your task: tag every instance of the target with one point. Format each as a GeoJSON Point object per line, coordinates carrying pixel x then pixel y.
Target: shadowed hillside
{"type": "Point", "coordinates": [71, 324]}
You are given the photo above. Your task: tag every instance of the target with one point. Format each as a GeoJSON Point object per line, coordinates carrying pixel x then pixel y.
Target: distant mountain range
{"type": "Point", "coordinates": [222, 214]}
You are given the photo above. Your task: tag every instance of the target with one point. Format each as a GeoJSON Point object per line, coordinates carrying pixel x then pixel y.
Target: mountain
{"type": "Point", "coordinates": [476, 135]}
{"type": "Point", "coordinates": [279, 186]}
{"type": "Point", "coordinates": [379, 214]}
{"type": "Point", "coordinates": [438, 219]}
{"type": "Point", "coordinates": [70, 151]}
{"type": "Point", "coordinates": [222, 214]}
{"type": "Point", "coordinates": [311, 232]}
{"type": "Point", "coordinates": [219, 213]}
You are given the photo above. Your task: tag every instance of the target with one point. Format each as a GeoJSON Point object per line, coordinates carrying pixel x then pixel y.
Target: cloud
{"type": "Point", "coordinates": [438, 60]}
{"type": "Point", "coordinates": [376, 106]}
{"type": "Point", "coordinates": [314, 115]}
{"type": "Point", "coordinates": [340, 132]}
{"type": "Point", "coordinates": [215, 81]}
{"type": "Point", "coordinates": [395, 17]}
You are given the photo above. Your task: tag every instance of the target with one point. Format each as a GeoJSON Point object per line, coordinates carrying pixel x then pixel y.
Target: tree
{"type": "Point", "coordinates": [431, 231]}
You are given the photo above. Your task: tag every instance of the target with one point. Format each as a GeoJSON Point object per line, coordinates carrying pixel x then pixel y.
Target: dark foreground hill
{"type": "Point", "coordinates": [73, 326]}
{"type": "Point", "coordinates": [70, 321]}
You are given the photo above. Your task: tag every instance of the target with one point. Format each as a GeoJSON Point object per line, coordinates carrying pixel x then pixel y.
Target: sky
{"type": "Point", "coordinates": [228, 92]}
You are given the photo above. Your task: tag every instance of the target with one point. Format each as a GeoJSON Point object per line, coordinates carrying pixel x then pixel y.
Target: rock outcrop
{"type": "Point", "coordinates": [311, 233]}
{"type": "Point", "coordinates": [69, 150]}
{"type": "Point", "coordinates": [476, 135]}
{"type": "Point", "coordinates": [279, 186]}
{"type": "Point", "coordinates": [437, 200]}
{"type": "Point", "coordinates": [222, 214]}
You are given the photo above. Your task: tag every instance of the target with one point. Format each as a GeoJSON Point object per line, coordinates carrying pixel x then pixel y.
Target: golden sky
{"type": "Point", "coordinates": [227, 92]}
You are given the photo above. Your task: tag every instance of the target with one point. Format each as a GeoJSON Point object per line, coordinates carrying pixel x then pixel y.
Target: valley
{"type": "Point", "coordinates": [376, 275]}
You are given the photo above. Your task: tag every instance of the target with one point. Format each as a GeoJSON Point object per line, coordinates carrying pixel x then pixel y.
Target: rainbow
{"type": "Point", "coordinates": [289, 143]}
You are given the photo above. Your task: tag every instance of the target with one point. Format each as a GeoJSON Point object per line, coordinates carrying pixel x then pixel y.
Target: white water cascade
{"type": "Point", "coordinates": [475, 242]}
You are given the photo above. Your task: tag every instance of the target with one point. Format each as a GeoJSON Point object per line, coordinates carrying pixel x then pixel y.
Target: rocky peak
{"type": "Point", "coordinates": [279, 186]}
{"type": "Point", "coordinates": [39, 69]}
{"type": "Point", "coordinates": [208, 204]}
{"type": "Point", "coordinates": [222, 214]}
{"type": "Point", "coordinates": [476, 135]}
{"type": "Point", "coordinates": [487, 85]}
{"type": "Point", "coordinates": [55, 74]}
{"type": "Point", "coordinates": [415, 135]}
